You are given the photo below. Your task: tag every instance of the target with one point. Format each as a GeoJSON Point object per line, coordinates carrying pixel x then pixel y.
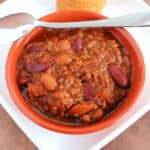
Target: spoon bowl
{"type": "Point", "coordinates": [16, 20]}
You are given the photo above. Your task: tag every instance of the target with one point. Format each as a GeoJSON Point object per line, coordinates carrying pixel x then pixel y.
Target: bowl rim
{"type": "Point", "coordinates": [51, 125]}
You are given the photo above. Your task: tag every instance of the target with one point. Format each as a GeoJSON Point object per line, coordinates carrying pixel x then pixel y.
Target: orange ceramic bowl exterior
{"type": "Point", "coordinates": [120, 33]}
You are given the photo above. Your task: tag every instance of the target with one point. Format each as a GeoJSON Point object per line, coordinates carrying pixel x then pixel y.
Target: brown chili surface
{"type": "Point", "coordinates": [74, 76]}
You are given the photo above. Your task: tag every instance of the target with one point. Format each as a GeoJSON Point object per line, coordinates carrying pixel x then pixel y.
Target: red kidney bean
{"type": "Point", "coordinates": [36, 67]}
{"type": "Point", "coordinates": [35, 48]}
{"type": "Point", "coordinates": [88, 90]}
{"type": "Point", "coordinates": [118, 76]}
{"type": "Point", "coordinates": [78, 45]}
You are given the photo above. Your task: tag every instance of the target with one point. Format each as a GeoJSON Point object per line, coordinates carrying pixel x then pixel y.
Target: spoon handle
{"type": "Point", "coordinates": [140, 19]}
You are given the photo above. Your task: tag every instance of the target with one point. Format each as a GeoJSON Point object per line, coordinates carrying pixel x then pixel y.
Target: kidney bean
{"type": "Point", "coordinates": [35, 48]}
{"type": "Point", "coordinates": [118, 76]}
{"type": "Point", "coordinates": [78, 44]}
{"type": "Point", "coordinates": [36, 67]}
{"type": "Point", "coordinates": [88, 91]}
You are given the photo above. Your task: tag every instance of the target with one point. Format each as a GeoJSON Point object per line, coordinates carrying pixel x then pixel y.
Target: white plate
{"type": "Point", "coordinates": [46, 140]}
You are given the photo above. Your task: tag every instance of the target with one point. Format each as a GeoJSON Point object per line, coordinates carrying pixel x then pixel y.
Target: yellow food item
{"type": "Point", "coordinates": [92, 5]}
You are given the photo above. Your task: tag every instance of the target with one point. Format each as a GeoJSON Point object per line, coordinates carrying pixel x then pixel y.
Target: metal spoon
{"type": "Point", "coordinates": [22, 23]}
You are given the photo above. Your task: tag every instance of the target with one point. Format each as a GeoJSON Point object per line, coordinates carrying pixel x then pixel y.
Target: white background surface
{"type": "Point", "coordinates": [47, 140]}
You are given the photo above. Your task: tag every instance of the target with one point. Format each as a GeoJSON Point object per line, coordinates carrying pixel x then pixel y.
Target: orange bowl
{"type": "Point", "coordinates": [126, 39]}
